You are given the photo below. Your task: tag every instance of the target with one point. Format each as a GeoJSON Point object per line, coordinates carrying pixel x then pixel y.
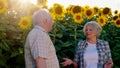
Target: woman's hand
{"type": "Point", "coordinates": [109, 64]}
{"type": "Point", "coordinates": [66, 62]}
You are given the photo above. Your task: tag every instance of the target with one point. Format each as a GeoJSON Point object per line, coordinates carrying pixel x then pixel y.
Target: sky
{"type": "Point", "coordinates": [113, 4]}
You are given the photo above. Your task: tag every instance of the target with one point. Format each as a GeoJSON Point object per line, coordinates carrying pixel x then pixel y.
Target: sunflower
{"type": "Point", "coordinates": [86, 7]}
{"type": "Point", "coordinates": [101, 20]}
{"type": "Point", "coordinates": [3, 6]}
{"type": "Point", "coordinates": [106, 11]}
{"type": "Point", "coordinates": [69, 8]}
{"type": "Point", "coordinates": [89, 12]}
{"type": "Point", "coordinates": [96, 10]}
{"type": "Point", "coordinates": [25, 22]}
{"type": "Point", "coordinates": [76, 9]}
{"type": "Point", "coordinates": [117, 23]}
{"type": "Point", "coordinates": [78, 18]}
{"type": "Point", "coordinates": [115, 18]}
{"type": "Point", "coordinates": [119, 14]}
{"type": "Point", "coordinates": [116, 12]}
{"type": "Point", "coordinates": [52, 13]}
{"type": "Point", "coordinates": [59, 11]}
{"type": "Point", "coordinates": [100, 11]}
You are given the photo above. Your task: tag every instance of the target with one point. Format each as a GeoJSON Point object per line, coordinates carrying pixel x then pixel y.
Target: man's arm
{"type": "Point", "coordinates": [40, 62]}
{"type": "Point", "coordinates": [69, 62]}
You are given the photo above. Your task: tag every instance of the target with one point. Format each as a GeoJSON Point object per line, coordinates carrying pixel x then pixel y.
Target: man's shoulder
{"type": "Point", "coordinates": [35, 31]}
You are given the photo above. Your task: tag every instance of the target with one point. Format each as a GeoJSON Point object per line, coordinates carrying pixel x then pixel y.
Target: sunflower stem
{"type": "Point", "coordinates": [75, 36]}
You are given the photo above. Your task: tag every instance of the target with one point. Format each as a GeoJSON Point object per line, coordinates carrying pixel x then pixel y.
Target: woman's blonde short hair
{"type": "Point", "coordinates": [97, 28]}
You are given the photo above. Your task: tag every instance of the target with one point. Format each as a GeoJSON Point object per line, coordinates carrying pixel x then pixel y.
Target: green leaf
{"type": "Point", "coordinates": [67, 44]}
{"type": "Point", "coordinates": [59, 35]}
{"type": "Point", "coordinates": [14, 54]}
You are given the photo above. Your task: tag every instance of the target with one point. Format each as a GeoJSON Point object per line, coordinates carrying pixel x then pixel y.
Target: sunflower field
{"type": "Point", "coordinates": [16, 22]}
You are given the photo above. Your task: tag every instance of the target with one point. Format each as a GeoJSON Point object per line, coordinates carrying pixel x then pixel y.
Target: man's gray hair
{"type": "Point", "coordinates": [97, 28]}
{"type": "Point", "coordinates": [40, 15]}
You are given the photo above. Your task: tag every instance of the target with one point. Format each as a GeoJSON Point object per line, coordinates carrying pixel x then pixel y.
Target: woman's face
{"type": "Point", "coordinates": [90, 32]}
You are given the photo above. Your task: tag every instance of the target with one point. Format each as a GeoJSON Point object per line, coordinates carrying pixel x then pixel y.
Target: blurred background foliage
{"type": "Point", "coordinates": [15, 23]}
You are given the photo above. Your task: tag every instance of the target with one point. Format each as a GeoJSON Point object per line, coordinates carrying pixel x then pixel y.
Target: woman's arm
{"type": "Point", "coordinates": [75, 64]}
{"type": "Point", "coordinates": [109, 62]}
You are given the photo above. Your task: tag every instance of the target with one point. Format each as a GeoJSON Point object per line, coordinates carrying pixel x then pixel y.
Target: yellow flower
{"type": "Point", "coordinates": [69, 8]}
{"type": "Point", "coordinates": [101, 20]}
{"type": "Point", "coordinates": [89, 12]}
{"type": "Point", "coordinates": [115, 18]}
{"type": "Point", "coordinates": [52, 14]}
{"type": "Point", "coordinates": [106, 11]}
{"type": "Point", "coordinates": [59, 11]}
{"type": "Point", "coordinates": [78, 18]}
{"type": "Point", "coordinates": [25, 22]}
{"type": "Point", "coordinates": [117, 23]}
{"type": "Point", "coordinates": [116, 12]}
{"type": "Point", "coordinates": [96, 10]}
{"type": "Point", "coordinates": [86, 7]}
{"type": "Point", "coordinates": [76, 9]}
{"type": "Point", "coordinates": [3, 6]}
{"type": "Point", "coordinates": [119, 15]}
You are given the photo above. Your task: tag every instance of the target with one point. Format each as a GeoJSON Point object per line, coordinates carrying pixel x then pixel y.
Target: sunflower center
{"type": "Point", "coordinates": [25, 22]}
{"type": "Point", "coordinates": [58, 10]}
{"type": "Point", "coordinates": [118, 22]}
{"type": "Point", "coordinates": [116, 12]}
{"type": "Point", "coordinates": [89, 12]}
{"type": "Point", "coordinates": [106, 11]}
{"type": "Point", "coordinates": [96, 10]}
{"type": "Point", "coordinates": [1, 5]}
{"type": "Point", "coordinates": [101, 20]}
{"type": "Point", "coordinates": [115, 17]}
{"type": "Point", "coordinates": [76, 9]}
{"type": "Point", "coordinates": [78, 17]}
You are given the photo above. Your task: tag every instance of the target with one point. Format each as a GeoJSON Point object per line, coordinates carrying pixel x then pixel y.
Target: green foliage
{"type": "Point", "coordinates": [66, 34]}
{"type": "Point", "coordinates": [11, 41]}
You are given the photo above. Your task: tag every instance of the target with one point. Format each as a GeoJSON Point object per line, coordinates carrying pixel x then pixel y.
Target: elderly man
{"type": "Point", "coordinates": [39, 49]}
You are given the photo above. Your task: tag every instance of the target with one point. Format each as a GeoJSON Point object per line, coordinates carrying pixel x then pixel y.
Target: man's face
{"type": "Point", "coordinates": [50, 24]}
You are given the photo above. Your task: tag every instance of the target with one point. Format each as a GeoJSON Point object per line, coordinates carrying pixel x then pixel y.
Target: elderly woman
{"type": "Point", "coordinates": [92, 52]}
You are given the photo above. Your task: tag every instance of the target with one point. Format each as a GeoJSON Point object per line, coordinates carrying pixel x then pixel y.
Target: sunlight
{"type": "Point", "coordinates": [33, 1]}
{"type": "Point", "coordinates": [28, 1]}
{"type": "Point", "coordinates": [23, 1]}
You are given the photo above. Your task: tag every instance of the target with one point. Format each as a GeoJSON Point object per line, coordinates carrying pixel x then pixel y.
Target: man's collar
{"type": "Point", "coordinates": [39, 27]}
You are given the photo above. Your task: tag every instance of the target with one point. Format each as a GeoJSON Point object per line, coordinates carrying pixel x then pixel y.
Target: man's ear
{"type": "Point", "coordinates": [45, 21]}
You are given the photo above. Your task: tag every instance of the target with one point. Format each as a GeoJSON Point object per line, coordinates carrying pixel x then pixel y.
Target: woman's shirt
{"type": "Point", "coordinates": [91, 56]}
{"type": "Point", "coordinates": [103, 51]}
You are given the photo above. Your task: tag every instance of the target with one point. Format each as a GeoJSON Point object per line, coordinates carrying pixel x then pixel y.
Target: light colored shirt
{"type": "Point", "coordinates": [103, 51]}
{"type": "Point", "coordinates": [38, 43]}
{"type": "Point", "coordinates": [91, 56]}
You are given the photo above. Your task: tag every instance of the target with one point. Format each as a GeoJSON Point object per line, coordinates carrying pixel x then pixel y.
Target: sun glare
{"type": "Point", "coordinates": [33, 1]}
{"type": "Point", "coordinates": [23, 1]}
